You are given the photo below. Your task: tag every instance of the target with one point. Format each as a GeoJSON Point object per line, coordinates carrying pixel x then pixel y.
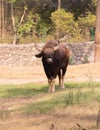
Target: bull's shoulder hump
{"type": "Point", "coordinates": [65, 49]}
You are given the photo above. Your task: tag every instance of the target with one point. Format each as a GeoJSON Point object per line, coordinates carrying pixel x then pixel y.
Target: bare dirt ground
{"type": "Point", "coordinates": [35, 74]}
{"type": "Point", "coordinates": [61, 119]}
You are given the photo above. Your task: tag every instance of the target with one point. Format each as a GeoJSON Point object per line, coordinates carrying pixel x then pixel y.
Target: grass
{"type": "Point", "coordinates": [31, 90]}
{"type": "Point", "coordinates": [62, 99]}
{"type": "Point", "coordinates": [43, 102]}
{"type": "Point", "coordinates": [18, 91]}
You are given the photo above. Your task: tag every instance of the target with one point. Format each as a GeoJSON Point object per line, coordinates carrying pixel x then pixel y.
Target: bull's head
{"type": "Point", "coordinates": [48, 51]}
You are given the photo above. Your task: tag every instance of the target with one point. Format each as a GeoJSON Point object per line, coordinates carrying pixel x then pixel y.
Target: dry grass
{"type": "Point", "coordinates": [61, 119]}
{"type": "Point", "coordinates": [35, 74]}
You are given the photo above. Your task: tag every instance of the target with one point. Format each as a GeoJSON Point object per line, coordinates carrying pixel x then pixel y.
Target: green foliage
{"type": "Point", "coordinates": [12, 1]}
{"type": "Point", "coordinates": [75, 30]}
{"type": "Point", "coordinates": [28, 26]}
{"type": "Point", "coordinates": [86, 24]}
{"type": "Point", "coordinates": [88, 21]}
{"type": "Point", "coordinates": [73, 21]}
{"type": "Point", "coordinates": [81, 7]}
{"type": "Point", "coordinates": [63, 20]}
{"type": "Point", "coordinates": [25, 28]}
{"type": "Point", "coordinates": [66, 25]}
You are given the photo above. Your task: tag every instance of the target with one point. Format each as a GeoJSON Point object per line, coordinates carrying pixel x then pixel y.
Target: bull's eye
{"type": "Point", "coordinates": [45, 56]}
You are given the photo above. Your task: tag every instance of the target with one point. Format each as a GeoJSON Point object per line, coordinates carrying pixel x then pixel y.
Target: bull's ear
{"type": "Point", "coordinates": [39, 55]}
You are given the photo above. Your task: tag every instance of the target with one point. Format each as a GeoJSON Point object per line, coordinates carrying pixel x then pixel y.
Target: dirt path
{"type": "Point", "coordinates": [35, 74]}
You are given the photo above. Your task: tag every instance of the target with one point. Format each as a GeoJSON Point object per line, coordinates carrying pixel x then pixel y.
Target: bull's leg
{"type": "Point", "coordinates": [63, 76]}
{"type": "Point", "coordinates": [61, 79]}
{"type": "Point", "coordinates": [61, 82]}
{"type": "Point", "coordinates": [51, 83]}
{"type": "Point", "coordinates": [62, 86]}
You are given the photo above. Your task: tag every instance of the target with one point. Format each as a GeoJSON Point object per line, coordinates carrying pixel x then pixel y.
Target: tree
{"type": "Point", "coordinates": [44, 8]}
{"type": "Point", "coordinates": [87, 26]}
{"type": "Point", "coordinates": [64, 21]}
{"type": "Point", "coordinates": [36, 15]}
{"type": "Point", "coordinates": [15, 25]}
{"type": "Point", "coordinates": [97, 34]}
{"type": "Point", "coordinates": [81, 7]}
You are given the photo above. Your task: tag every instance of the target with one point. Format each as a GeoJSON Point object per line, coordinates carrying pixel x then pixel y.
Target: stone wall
{"type": "Point", "coordinates": [19, 55]}
{"type": "Point", "coordinates": [82, 52]}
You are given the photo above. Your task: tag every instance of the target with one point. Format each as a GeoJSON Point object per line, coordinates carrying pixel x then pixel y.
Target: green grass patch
{"type": "Point", "coordinates": [60, 99]}
{"type": "Point", "coordinates": [51, 102]}
{"type": "Point", "coordinates": [82, 84]}
{"type": "Point", "coordinates": [25, 90]}
{"type": "Point", "coordinates": [30, 90]}
{"type": "Point", "coordinates": [75, 93]}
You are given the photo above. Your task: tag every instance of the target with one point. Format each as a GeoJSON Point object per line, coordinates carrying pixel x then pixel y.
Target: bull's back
{"type": "Point", "coordinates": [61, 57]}
{"type": "Point", "coordinates": [64, 51]}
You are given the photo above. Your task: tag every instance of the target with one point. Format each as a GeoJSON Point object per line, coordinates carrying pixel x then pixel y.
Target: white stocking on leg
{"type": "Point", "coordinates": [51, 83]}
{"type": "Point", "coordinates": [61, 82]}
{"type": "Point", "coordinates": [62, 86]}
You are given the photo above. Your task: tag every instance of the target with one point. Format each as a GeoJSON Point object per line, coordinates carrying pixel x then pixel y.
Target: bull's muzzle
{"type": "Point", "coordinates": [49, 60]}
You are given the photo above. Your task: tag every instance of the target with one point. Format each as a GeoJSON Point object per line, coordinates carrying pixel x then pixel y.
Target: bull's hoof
{"type": "Point", "coordinates": [50, 91]}
{"type": "Point", "coordinates": [62, 88]}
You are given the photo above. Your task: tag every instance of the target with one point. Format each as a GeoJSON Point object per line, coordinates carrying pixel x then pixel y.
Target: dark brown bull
{"type": "Point", "coordinates": [55, 58]}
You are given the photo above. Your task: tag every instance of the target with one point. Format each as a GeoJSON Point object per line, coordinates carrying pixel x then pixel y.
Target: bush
{"type": "Point", "coordinates": [76, 31]}
{"type": "Point", "coordinates": [65, 24]}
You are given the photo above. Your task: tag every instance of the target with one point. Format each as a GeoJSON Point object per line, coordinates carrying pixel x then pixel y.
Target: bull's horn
{"type": "Point", "coordinates": [56, 48]}
{"type": "Point", "coordinates": [36, 47]}
{"type": "Point", "coordinates": [58, 41]}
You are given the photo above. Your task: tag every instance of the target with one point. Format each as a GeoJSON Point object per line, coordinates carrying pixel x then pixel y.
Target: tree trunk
{"type": "Point", "coordinates": [2, 19]}
{"type": "Point", "coordinates": [6, 12]}
{"type": "Point", "coordinates": [13, 23]}
{"type": "Point", "coordinates": [15, 28]}
{"type": "Point", "coordinates": [59, 4]}
{"type": "Point", "coordinates": [97, 34]}
{"type": "Point", "coordinates": [57, 29]}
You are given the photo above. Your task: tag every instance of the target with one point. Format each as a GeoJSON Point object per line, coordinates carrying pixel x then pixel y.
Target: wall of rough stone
{"type": "Point", "coordinates": [24, 55]}
{"type": "Point", "coordinates": [82, 52]}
